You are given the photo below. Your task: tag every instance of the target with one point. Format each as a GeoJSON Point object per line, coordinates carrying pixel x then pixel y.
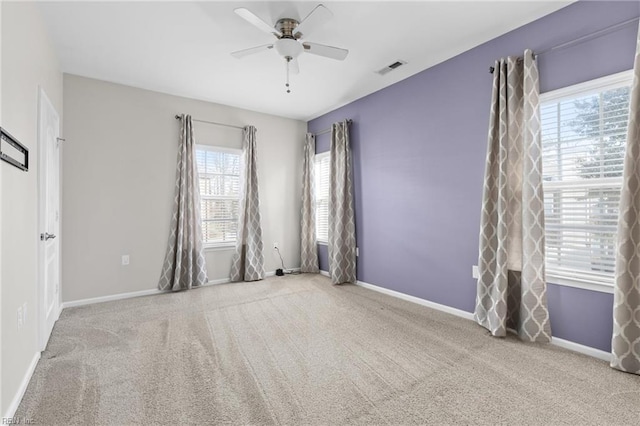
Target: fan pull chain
{"type": "Point", "coordinates": [287, 85]}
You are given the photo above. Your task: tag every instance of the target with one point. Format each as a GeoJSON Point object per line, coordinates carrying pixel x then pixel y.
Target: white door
{"type": "Point", "coordinates": [49, 206]}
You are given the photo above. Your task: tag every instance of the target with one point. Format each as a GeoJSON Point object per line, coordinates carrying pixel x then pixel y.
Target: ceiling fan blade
{"type": "Point", "coordinates": [318, 16]}
{"type": "Point", "coordinates": [253, 19]}
{"type": "Point", "coordinates": [326, 51]}
{"type": "Point", "coordinates": [246, 52]}
{"type": "Point", "coordinates": [294, 68]}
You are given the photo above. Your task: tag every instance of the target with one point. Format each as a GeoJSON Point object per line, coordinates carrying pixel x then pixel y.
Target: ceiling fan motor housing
{"type": "Point", "coordinates": [286, 27]}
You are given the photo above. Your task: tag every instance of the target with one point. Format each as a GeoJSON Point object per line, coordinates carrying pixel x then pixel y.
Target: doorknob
{"type": "Point", "coordinates": [46, 236]}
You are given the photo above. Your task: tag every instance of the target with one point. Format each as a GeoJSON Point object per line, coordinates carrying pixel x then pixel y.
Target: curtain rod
{"type": "Point", "coordinates": [587, 37]}
{"type": "Point", "coordinates": [322, 132]}
{"type": "Point", "coordinates": [178, 117]}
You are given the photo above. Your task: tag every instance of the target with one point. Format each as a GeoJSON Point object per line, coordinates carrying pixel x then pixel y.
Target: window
{"type": "Point", "coordinates": [219, 172]}
{"type": "Point", "coordinates": [584, 131]}
{"type": "Point", "coordinates": [322, 197]}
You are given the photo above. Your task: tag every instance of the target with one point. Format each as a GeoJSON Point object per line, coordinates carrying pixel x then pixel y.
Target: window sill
{"type": "Point", "coordinates": [322, 243]}
{"type": "Point", "coordinates": [217, 247]}
{"type": "Point", "coordinates": [568, 282]}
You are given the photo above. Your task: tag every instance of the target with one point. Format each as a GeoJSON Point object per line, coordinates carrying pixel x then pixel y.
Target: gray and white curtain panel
{"type": "Point", "coordinates": [184, 265]}
{"type": "Point", "coordinates": [511, 292]}
{"type": "Point", "coordinates": [308, 244]}
{"type": "Point", "coordinates": [247, 263]}
{"type": "Point", "coordinates": [342, 227]}
{"type": "Point", "coordinates": [625, 345]}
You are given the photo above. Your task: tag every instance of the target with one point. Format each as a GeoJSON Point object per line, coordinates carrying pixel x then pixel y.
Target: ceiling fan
{"type": "Point", "coordinates": [289, 34]}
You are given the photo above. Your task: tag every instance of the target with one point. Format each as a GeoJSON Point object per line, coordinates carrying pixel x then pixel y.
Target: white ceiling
{"type": "Point", "coordinates": [182, 48]}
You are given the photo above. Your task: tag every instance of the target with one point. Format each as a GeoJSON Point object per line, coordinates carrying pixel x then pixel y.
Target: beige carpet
{"type": "Point", "coordinates": [297, 350]}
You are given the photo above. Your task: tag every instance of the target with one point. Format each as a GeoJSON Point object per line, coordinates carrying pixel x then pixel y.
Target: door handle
{"type": "Point", "coordinates": [46, 236]}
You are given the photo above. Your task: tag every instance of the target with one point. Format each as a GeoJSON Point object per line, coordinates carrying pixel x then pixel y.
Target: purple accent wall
{"type": "Point", "coordinates": [419, 148]}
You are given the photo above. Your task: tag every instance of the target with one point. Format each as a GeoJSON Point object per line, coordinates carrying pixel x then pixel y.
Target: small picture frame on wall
{"type": "Point", "coordinates": [12, 151]}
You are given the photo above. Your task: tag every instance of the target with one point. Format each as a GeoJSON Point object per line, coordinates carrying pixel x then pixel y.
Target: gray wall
{"type": "Point", "coordinates": [119, 175]}
{"type": "Point", "coordinates": [419, 149]}
{"type": "Point", "coordinates": [28, 61]}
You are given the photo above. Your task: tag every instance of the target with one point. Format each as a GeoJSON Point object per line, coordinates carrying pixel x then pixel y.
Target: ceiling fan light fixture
{"type": "Point", "coordinates": [289, 32]}
{"type": "Point", "coordinates": [288, 48]}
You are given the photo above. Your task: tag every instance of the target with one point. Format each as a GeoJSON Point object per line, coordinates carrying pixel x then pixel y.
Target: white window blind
{"type": "Point", "coordinates": [219, 173]}
{"type": "Point", "coordinates": [322, 197]}
{"type": "Point", "coordinates": [584, 130]}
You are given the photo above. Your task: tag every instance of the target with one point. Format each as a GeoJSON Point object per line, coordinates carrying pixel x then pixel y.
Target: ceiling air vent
{"type": "Point", "coordinates": [391, 67]}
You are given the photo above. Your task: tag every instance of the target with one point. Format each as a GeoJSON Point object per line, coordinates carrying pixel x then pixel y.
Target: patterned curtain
{"type": "Point", "coordinates": [511, 290]}
{"type": "Point", "coordinates": [247, 263]}
{"type": "Point", "coordinates": [342, 228]}
{"type": "Point", "coordinates": [308, 245]}
{"type": "Point", "coordinates": [625, 346]}
{"type": "Point", "coordinates": [184, 264]}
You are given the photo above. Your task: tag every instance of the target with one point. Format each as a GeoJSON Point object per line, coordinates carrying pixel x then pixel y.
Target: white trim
{"type": "Point", "coordinates": [437, 306]}
{"type": "Point", "coordinates": [566, 344]}
{"type": "Point", "coordinates": [13, 406]}
{"type": "Point", "coordinates": [216, 148]}
{"type": "Point", "coordinates": [577, 347]}
{"type": "Point", "coordinates": [577, 283]}
{"type": "Point", "coordinates": [273, 273]}
{"type": "Point", "coordinates": [110, 298]}
{"type": "Point", "coordinates": [221, 246]}
{"type": "Point", "coordinates": [130, 295]}
{"type": "Point", "coordinates": [321, 155]}
{"type": "Point", "coordinates": [598, 183]}
{"type": "Point", "coordinates": [621, 79]}
{"type": "Point", "coordinates": [564, 281]}
{"type": "Point", "coordinates": [216, 282]}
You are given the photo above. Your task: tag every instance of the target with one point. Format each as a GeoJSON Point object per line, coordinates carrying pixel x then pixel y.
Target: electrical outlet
{"type": "Point", "coordinates": [275, 245]}
{"type": "Point", "coordinates": [125, 259]}
{"type": "Point", "coordinates": [20, 318]}
{"type": "Point", "coordinates": [357, 252]}
{"type": "Point", "coordinates": [474, 272]}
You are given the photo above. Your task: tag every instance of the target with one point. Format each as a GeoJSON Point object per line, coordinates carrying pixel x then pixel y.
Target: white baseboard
{"type": "Point", "coordinates": [110, 298]}
{"type": "Point", "coordinates": [150, 292]}
{"type": "Point", "coordinates": [272, 273]}
{"type": "Point", "coordinates": [566, 344]}
{"type": "Point", "coordinates": [577, 347]}
{"type": "Point", "coordinates": [437, 306]}
{"type": "Point", "coordinates": [218, 281]}
{"type": "Point", "coordinates": [15, 402]}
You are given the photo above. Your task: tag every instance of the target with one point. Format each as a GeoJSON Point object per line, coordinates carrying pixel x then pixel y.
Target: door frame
{"type": "Point", "coordinates": [43, 335]}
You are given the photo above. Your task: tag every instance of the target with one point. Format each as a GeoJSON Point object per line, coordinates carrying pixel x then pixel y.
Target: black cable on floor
{"type": "Point", "coordinates": [282, 263]}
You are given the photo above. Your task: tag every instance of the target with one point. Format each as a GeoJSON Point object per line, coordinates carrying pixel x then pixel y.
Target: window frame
{"type": "Point", "coordinates": [319, 157]}
{"type": "Point", "coordinates": [227, 245]}
{"type": "Point", "coordinates": [602, 84]}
